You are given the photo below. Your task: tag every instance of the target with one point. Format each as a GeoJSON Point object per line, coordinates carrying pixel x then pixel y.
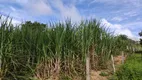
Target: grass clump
{"type": "Point", "coordinates": [131, 70]}
{"type": "Point", "coordinates": [103, 74]}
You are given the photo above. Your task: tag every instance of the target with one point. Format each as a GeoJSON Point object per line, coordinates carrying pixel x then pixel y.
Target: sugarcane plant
{"type": "Point", "coordinates": [33, 50]}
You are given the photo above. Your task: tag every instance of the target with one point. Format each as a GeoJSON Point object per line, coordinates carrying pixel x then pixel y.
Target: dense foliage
{"type": "Point", "coordinates": [35, 50]}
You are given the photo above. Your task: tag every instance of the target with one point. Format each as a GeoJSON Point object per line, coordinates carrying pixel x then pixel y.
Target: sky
{"type": "Point", "coordinates": [120, 16]}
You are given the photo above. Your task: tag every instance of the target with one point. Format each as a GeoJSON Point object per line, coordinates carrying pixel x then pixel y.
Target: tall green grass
{"type": "Point", "coordinates": [35, 50]}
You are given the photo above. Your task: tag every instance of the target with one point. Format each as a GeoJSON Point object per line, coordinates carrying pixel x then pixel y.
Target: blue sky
{"type": "Point", "coordinates": [123, 16]}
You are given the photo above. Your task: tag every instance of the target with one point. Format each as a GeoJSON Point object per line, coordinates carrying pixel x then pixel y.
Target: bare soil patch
{"type": "Point", "coordinates": [95, 75]}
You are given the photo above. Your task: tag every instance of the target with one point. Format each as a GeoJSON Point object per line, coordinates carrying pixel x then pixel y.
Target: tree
{"type": "Point", "coordinates": [141, 36]}
{"type": "Point", "coordinates": [121, 42]}
{"type": "Point", "coordinates": [140, 33]}
{"type": "Point", "coordinates": [35, 26]}
{"type": "Point", "coordinates": [123, 37]}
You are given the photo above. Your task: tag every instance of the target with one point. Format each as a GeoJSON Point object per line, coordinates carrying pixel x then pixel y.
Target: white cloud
{"type": "Point", "coordinates": [104, 1]}
{"type": "Point", "coordinates": [117, 19]}
{"type": "Point", "coordinates": [134, 3]}
{"type": "Point", "coordinates": [109, 25]}
{"type": "Point", "coordinates": [34, 7]}
{"type": "Point", "coordinates": [30, 9]}
{"type": "Point", "coordinates": [125, 31]}
{"type": "Point", "coordinates": [12, 8]}
{"type": "Point", "coordinates": [119, 29]}
{"type": "Point", "coordinates": [38, 7]}
{"type": "Point", "coordinates": [131, 13]}
{"type": "Point", "coordinates": [22, 1]}
{"type": "Point", "coordinates": [134, 26]}
{"type": "Point", "coordinates": [41, 7]}
{"type": "Point", "coordinates": [67, 11]}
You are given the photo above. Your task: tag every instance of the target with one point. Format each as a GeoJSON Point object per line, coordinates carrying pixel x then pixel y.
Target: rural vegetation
{"type": "Point", "coordinates": [131, 70]}
{"type": "Point", "coordinates": [36, 51]}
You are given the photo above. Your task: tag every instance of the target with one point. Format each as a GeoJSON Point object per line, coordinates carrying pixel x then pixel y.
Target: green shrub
{"type": "Point", "coordinates": [132, 70]}
{"type": "Point", "coordinates": [103, 74]}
